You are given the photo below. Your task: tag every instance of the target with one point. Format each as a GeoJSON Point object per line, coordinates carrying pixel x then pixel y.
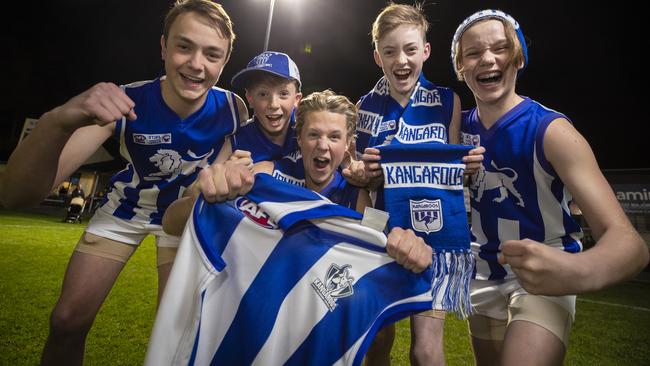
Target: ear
{"type": "Point", "coordinates": [299, 141]}
{"type": "Point", "coordinates": [427, 51]}
{"type": "Point", "coordinates": [163, 47]}
{"type": "Point", "coordinates": [249, 98]}
{"type": "Point", "coordinates": [375, 54]}
{"type": "Point", "coordinates": [298, 98]}
{"type": "Point", "coordinates": [521, 64]}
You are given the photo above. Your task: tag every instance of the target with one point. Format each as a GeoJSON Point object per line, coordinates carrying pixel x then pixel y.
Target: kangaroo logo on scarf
{"type": "Point", "coordinates": [426, 215]}
{"type": "Point", "coordinates": [423, 190]}
{"type": "Point", "coordinates": [338, 283]}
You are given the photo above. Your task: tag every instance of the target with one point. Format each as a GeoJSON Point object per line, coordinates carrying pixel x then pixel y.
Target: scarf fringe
{"type": "Point", "coordinates": [452, 272]}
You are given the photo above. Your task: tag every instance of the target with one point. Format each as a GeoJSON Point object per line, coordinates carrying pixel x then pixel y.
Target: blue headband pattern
{"type": "Point", "coordinates": [487, 14]}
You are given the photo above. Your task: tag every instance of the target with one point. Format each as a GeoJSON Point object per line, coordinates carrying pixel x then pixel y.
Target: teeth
{"type": "Point", "coordinates": [489, 76]}
{"type": "Point", "coordinates": [402, 72]}
{"type": "Point", "coordinates": [191, 78]}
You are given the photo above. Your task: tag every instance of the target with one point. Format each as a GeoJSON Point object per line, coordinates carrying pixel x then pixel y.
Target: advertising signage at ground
{"type": "Point", "coordinates": [635, 198]}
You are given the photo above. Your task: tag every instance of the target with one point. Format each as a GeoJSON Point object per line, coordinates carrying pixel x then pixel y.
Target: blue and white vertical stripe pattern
{"type": "Point", "coordinates": [280, 276]}
{"type": "Point", "coordinates": [516, 194]}
{"type": "Point", "coordinates": [165, 152]}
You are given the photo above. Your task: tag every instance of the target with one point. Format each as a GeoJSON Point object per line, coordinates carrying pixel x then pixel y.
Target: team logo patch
{"type": "Point", "coordinates": [338, 284]}
{"type": "Point", "coordinates": [469, 139]}
{"type": "Point", "coordinates": [426, 215]}
{"type": "Point", "coordinates": [255, 213]}
{"type": "Point", "coordinates": [152, 139]}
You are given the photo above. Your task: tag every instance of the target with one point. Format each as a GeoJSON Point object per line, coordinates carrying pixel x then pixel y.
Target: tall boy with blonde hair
{"type": "Point", "coordinates": [405, 108]}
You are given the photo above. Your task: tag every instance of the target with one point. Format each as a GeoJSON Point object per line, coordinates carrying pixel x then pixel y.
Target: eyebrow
{"type": "Point", "coordinates": [182, 38]}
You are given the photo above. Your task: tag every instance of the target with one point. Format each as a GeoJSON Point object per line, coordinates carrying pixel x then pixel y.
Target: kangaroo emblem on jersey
{"type": "Point", "coordinates": [171, 164]}
{"type": "Point", "coordinates": [426, 215]}
{"type": "Point", "coordinates": [168, 161]}
{"type": "Point", "coordinates": [338, 284]}
{"type": "Point", "coordinates": [502, 179]}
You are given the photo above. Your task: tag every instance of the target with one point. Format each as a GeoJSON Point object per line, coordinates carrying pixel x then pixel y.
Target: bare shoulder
{"type": "Point", "coordinates": [563, 143]}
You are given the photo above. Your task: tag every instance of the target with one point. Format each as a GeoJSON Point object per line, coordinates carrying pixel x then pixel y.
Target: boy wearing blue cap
{"type": "Point", "coordinates": [525, 241]}
{"type": "Point", "coordinates": [271, 81]}
{"type": "Point", "coordinates": [272, 84]}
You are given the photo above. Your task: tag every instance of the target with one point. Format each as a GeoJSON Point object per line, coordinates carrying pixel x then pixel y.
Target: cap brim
{"type": "Point", "coordinates": [240, 80]}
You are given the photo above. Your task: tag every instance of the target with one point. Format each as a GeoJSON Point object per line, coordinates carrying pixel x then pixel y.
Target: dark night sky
{"type": "Point", "coordinates": [585, 59]}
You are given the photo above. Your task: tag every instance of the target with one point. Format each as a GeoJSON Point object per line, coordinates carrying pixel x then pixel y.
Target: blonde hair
{"type": "Point", "coordinates": [328, 101]}
{"type": "Point", "coordinates": [394, 15]}
{"type": "Point", "coordinates": [515, 49]}
{"type": "Point", "coordinates": [212, 11]}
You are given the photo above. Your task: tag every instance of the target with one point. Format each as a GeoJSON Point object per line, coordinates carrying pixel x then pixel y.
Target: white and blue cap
{"type": "Point", "coordinates": [488, 14]}
{"type": "Point", "coordinates": [276, 63]}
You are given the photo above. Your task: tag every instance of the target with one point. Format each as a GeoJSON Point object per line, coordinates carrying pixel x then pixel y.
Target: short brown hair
{"type": "Point", "coordinates": [212, 11]}
{"type": "Point", "coordinates": [394, 15]}
{"type": "Point", "coordinates": [328, 101]}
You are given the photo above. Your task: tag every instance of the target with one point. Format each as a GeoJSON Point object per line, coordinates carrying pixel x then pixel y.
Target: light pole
{"type": "Point", "coordinates": [268, 26]}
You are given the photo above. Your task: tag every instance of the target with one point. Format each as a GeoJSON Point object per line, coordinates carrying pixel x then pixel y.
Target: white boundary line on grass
{"type": "Point", "coordinates": [614, 304]}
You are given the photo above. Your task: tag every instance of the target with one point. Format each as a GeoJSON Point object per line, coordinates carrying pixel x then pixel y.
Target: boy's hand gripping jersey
{"type": "Point", "coordinates": [423, 191]}
{"type": "Point", "coordinates": [280, 276]}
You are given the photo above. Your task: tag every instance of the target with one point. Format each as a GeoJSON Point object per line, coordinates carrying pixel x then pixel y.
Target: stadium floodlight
{"type": "Point", "coordinates": [268, 25]}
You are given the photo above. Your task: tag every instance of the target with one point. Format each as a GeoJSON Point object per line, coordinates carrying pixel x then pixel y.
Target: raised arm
{"type": "Point", "coordinates": [619, 253]}
{"type": "Point", "coordinates": [62, 140]}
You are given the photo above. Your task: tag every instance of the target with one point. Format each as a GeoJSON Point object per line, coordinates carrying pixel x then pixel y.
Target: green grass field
{"type": "Point", "coordinates": [612, 327]}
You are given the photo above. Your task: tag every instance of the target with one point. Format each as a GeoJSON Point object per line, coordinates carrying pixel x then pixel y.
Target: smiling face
{"type": "Point", "coordinates": [195, 54]}
{"type": "Point", "coordinates": [323, 141]}
{"type": "Point", "coordinates": [401, 53]}
{"type": "Point", "coordinates": [487, 63]}
{"type": "Point", "coordinates": [273, 100]}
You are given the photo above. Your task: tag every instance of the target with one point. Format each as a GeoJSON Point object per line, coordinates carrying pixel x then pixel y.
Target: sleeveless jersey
{"type": "Point", "coordinates": [383, 121]}
{"type": "Point", "coordinates": [516, 194]}
{"type": "Point", "coordinates": [250, 137]}
{"type": "Point", "coordinates": [338, 190]}
{"type": "Point", "coordinates": [280, 276]}
{"type": "Point", "coordinates": [163, 151]}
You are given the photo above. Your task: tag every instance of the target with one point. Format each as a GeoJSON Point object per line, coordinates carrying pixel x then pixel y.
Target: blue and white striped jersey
{"type": "Point", "coordinates": [163, 151]}
{"type": "Point", "coordinates": [516, 194]}
{"type": "Point", "coordinates": [250, 137]}
{"type": "Point", "coordinates": [280, 276]}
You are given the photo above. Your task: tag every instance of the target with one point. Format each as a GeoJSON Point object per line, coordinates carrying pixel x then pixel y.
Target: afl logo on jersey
{"type": "Point", "coordinates": [255, 213]}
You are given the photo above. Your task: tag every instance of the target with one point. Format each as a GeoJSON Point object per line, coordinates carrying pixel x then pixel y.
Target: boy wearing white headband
{"type": "Point", "coordinates": [525, 241]}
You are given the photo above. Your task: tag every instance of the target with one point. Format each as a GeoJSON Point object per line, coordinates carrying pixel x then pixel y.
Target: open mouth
{"type": "Point", "coordinates": [321, 163]}
{"type": "Point", "coordinates": [402, 75]}
{"type": "Point", "coordinates": [273, 118]}
{"type": "Point", "coordinates": [191, 79]}
{"type": "Point", "coordinates": [490, 78]}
